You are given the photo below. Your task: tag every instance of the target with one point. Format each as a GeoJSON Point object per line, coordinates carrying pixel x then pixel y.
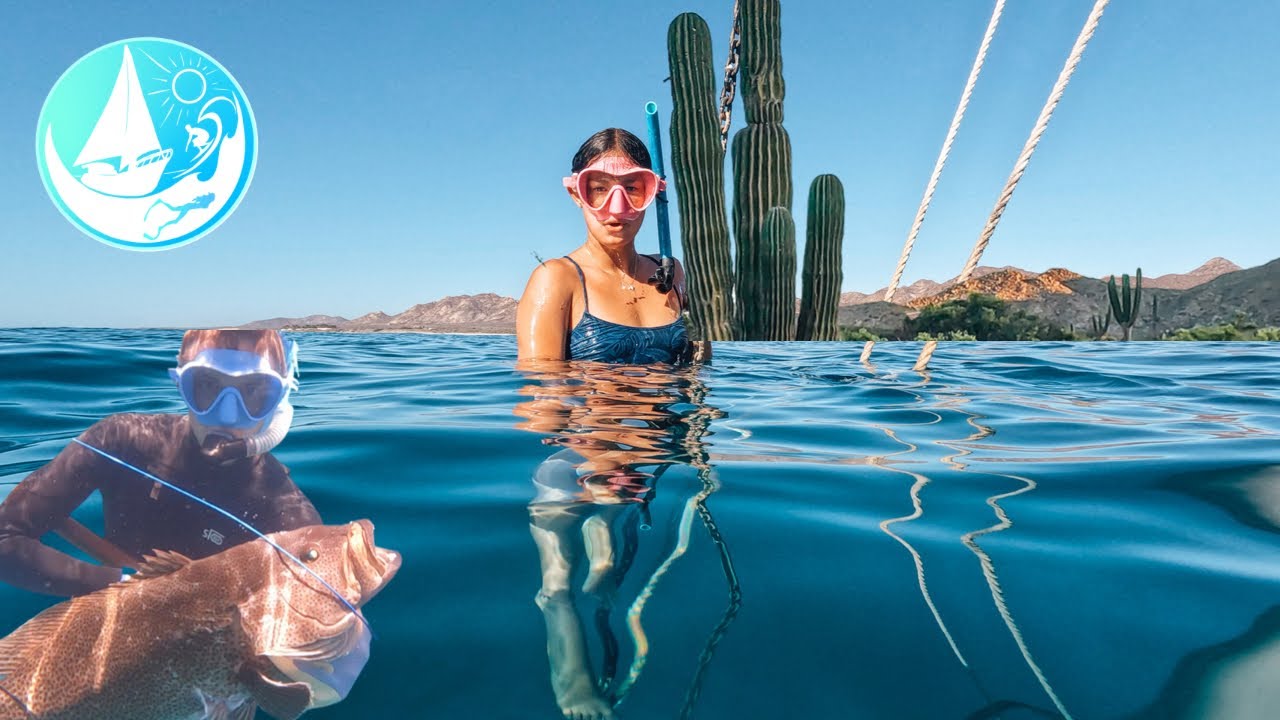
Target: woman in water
{"type": "Point", "coordinates": [596, 303]}
{"type": "Point", "coordinates": [618, 429]}
{"type": "Point", "coordinates": [236, 385]}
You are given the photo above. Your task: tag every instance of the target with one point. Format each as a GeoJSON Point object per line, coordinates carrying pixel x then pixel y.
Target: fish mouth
{"type": "Point", "coordinates": [374, 566]}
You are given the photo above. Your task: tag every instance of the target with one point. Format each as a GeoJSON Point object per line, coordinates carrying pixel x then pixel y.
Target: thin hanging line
{"type": "Point", "coordinates": [233, 518]}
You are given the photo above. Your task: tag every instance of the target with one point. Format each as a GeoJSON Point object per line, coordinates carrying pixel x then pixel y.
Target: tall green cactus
{"type": "Point", "coordinates": [697, 163]}
{"type": "Point", "coordinates": [823, 269]}
{"type": "Point", "coordinates": [760, 63]}
{"type": "Point", "coordinates": [762, 180]}
{"type": "Point", "coordinates": [761, 158]}
{"type": "Point", "coordinates": [1124, 304]}
{"type": "Point", "coordinates": [778, 289]}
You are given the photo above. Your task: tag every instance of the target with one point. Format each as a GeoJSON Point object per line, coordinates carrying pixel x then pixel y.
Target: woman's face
{"type": "Point", "coordinates": [610, 229]}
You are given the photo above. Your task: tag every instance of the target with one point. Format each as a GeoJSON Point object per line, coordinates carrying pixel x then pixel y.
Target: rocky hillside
{"type": "Point", "coordinates": [1185, 281]}
{"type": "Point", "coordinates": [913, 295]}
{"type": "Point", "coordinates": [316, 321]}
{"type": "Point", "coordinates": [1255, 292]}
{"type": "Point", "coordinates": [485, 313]}
{"type": "Point", "coordinates": [486, 310]}
{"type": "Point", "coordinates": [1211, 293]}
{"type": "Point", "coordinates": [1008, 284]}
{"type": "Point", "coordinates": [907, 294]}
{"type": "Point", "coordinates": [1068, 300]}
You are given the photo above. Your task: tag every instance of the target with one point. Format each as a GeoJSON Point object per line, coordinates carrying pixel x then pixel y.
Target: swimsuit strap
{"type": "Point", "coordinates": [586, 304]}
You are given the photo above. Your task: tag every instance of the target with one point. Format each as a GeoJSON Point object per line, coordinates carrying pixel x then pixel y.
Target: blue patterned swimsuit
{"type": "Point", "coordinates": [603, 341]}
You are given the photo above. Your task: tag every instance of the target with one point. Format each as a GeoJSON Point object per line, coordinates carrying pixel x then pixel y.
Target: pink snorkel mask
{"type": "Point", "coordinates": [615, 187]}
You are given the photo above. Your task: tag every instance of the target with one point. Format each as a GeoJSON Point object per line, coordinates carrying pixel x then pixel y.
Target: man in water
{"type": "Point", "coordinates": [236, 386]}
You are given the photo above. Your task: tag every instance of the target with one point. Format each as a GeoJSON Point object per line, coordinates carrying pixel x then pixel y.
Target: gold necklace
{"type": "Point", "coordinates": [632, 285]}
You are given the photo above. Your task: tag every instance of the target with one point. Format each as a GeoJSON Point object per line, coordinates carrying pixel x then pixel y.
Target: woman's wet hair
{"type": "Point", "coordinates": [611, 140]}
{"type": "Point", "coordinates": [261, 342]}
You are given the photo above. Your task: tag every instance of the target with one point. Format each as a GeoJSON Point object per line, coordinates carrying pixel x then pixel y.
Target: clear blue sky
{"type": "Point", "coordinates": [411, 151]}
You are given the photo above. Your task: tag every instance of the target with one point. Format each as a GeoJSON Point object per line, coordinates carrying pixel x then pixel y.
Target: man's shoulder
{"type": "Point", "coordinates": [136, 429]}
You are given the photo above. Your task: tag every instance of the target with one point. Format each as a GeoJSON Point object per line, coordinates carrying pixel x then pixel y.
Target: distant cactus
{"type": "Point", "coordinates": [697, 163]}
{"type": "Point", "coordinates": [1099, 325]}
{"type": "Point", "coordinates": [1124, 304]}
{"type": "Point", "coordinates": [778, 289]}
{"type": "Point", "coordinates": [1155, 316]}
{"type": "Point", "coordinates": [823, 271]}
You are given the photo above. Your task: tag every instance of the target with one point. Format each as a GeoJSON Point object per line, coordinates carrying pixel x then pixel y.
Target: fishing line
{"type": "Point", "coordinates": [21, 705]}
{"type": "Point", "coordinates": [235, 519]}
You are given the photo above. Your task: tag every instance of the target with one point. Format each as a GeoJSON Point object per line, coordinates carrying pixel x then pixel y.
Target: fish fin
{"type": "Point", "coordinates": [280, 700]}
{"type": "Point", "coordinates": [33, 635]}
{"type": "Point", "coordinates": [328, 648]}
{"type": "Point", "coordinates": [245, 711]}
{"type": "Point", "coordinates": [160, 562]}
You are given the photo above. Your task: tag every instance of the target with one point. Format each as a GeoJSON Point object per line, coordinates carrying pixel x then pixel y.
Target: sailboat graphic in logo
{"type": "Point", "coordinates": [123, 156]}
{"type": "Point", "coordinates": [163, 161]}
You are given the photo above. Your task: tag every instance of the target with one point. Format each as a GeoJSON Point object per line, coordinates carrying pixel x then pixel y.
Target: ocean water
{"type": "Point", "coordinates": [1029, 530]}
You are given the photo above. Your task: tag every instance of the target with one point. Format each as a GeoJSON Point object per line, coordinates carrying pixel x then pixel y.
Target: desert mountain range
{"type": "Point", "coordinates": [1213, 292]}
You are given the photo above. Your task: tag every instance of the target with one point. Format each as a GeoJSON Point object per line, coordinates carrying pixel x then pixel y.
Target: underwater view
{"type": "Point", "coordinates": [1045, 530]}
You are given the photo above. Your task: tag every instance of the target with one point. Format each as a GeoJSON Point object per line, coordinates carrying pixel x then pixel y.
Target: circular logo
{"type": "Point", "coordinates": [146, 144]}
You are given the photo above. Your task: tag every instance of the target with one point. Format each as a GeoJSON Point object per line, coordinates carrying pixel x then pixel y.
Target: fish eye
{"type": "Point", "coordinates": [311, 555]}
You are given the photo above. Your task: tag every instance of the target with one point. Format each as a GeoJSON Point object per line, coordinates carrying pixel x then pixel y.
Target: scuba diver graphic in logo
{"type": "Point", "coordinates": [146, 144]}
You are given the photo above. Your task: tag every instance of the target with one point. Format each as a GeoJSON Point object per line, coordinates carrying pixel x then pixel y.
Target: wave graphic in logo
{"type": "Point", "coordinates": [146, 144]}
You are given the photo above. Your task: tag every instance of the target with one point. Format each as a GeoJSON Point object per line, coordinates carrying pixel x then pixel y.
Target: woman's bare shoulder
{"type": "Point", "coordinates": [553, 278]}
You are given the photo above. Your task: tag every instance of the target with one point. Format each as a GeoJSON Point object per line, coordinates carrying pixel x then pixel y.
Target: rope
{"type": "Point", "coordinates": [942, 160]}
{"type": "Point", "coordinates": [1086, 33]}
{"type": "Point", "coordinates": [637, 607]}
{"type": "Point", "coordinates": [731, 78]}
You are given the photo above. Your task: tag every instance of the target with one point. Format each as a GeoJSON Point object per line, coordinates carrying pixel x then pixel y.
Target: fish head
{"type": "Point", "coordinates": [344, 557]}
{"type": "Point", "coordinates": [308, 608]}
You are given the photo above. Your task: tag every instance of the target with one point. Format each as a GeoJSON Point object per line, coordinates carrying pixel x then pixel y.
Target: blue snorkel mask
{"type": "Point", "coordinates": [234, 389]}
{"type": "Point", "coordinates": [238, 399]}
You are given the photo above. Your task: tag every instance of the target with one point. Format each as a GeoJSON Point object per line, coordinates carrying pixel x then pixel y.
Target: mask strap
{"type": "Point", "coordinates": [237, 520]}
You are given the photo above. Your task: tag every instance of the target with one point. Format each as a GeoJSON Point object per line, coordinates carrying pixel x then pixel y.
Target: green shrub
{"type": "Point", "coordinates": [858, 334]}
{"type": "Point", "coordinates": [982, 317]}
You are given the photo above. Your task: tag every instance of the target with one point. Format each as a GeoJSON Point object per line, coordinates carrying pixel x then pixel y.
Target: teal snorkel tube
{"type": "Point", "coordinates": [664, 277]}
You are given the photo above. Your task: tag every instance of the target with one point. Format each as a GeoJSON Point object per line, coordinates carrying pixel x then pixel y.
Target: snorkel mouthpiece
{"type": "Point", "coordinates": [222, 448]}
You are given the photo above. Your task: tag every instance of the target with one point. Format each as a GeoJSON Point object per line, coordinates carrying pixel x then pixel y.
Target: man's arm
{"type": "Point", "coordinates": [38, 505]}
{"type": "Point", "coordinates": [287, 507]}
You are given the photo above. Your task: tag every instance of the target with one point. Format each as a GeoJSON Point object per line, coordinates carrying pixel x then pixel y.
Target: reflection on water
{"type": "Point", "coordinates": [619, 428]}
{"type": "Point", "coordinates": [1224, 681]}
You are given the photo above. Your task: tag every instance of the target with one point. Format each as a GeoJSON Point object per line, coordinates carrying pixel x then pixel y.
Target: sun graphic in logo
{"type": "Point", "coordinates": [146, 144]}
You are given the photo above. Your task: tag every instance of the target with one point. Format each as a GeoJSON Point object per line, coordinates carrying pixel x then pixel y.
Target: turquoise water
{"type": "Point", "coordinates": [1034, 530]}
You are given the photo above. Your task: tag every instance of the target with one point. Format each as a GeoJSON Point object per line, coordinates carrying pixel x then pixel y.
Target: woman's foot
{"type": "Point", "coordinates": [580, 701]}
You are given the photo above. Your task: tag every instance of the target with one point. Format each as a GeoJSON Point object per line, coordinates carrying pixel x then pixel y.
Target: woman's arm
{"type": "Point", "coordinates": [543, 316]}
{"type": "Point", "coordinates": [39, 504]}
